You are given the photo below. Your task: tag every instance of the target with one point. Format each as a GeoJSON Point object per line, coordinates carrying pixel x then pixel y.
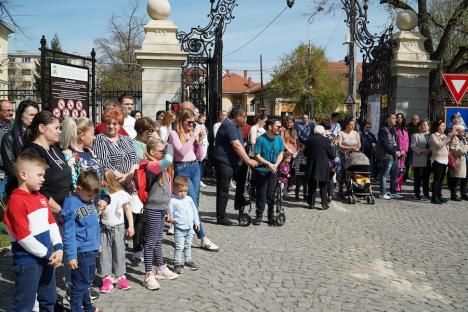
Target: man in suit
{"type": "Point", "coordinates": [318, 152]}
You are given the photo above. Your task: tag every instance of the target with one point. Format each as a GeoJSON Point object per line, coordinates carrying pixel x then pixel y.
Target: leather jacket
{"type": "Point", "coordinates": [10, 149]}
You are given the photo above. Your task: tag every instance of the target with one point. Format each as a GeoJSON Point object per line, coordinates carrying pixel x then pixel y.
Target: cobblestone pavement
{"type": "Point", "coordinates": [394, 256]}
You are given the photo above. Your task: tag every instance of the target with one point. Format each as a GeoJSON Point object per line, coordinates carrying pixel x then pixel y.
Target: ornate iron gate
{"type": "Point", "coordinates": [377, 52]}
{"type": "Point", "coordinates": [202, 73]}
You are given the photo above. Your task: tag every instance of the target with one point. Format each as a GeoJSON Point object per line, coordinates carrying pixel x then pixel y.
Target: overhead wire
{"type": "Point", "coordinates": [257, 35]}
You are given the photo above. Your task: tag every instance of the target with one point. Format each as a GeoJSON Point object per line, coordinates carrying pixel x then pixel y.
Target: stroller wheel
{"type": "Point", "coordinates": [372, 200]}
{"type": "Point", "coordinates": [369, 200]}
{"type": "Point", "coordinates": [352, 199]}
{"type": "Point", "coordinates": [280, 219]}
{"type": "Point", "coordinates": [244, 219]}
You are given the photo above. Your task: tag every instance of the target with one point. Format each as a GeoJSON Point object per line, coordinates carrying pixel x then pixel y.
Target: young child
{"type": "Point", "coordinates": [35, 238]}
{"type": "Point", "coordinates": [112, 254]}
{"type": "Point", "coordinates": [299, 168]}
{"type": "Point", "coordinates": [184, 215]}
{"type": "Point", "coordinates": [81, 238]}
{"type": "Point", "coordinates": [285, 174]}
{"type": "Point", "coordinates": [158, 160]}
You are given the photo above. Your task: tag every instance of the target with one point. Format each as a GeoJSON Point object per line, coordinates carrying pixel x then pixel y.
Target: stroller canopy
{"type": "Point", "coordinates": [356, 159]}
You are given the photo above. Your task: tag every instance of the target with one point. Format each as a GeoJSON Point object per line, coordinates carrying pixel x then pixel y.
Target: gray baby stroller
{"type": "Point", "coordinates": [358, 177]}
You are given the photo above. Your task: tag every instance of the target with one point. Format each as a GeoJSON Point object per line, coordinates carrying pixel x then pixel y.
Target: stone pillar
{"type": "Point", "coordinates": [161, 59]}
{"type": "Point", "coordinates": [411, 67]}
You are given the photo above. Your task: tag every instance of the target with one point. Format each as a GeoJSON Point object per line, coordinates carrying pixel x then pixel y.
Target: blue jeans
{"type": "Point", "coordinates": [81, 280]}
{"type": "Point", "coordinates": [2, 186]}
{"type": "Point", "coordinates": [183, 243]}
{"type": "Point", "coordinates": [192, 172]}
{"type": "Point", "coordinates": [389, 167]}
{"type": "Point", "coordinates": [32, 279]}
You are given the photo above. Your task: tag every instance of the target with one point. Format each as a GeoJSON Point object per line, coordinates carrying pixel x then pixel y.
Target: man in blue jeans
{"type": "Point", "coordinates": [389, 153]}
{"type": "Point", "coordinates": [269, 150]}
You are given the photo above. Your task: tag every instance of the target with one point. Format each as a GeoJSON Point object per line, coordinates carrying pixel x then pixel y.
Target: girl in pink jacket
{"type": "Point", "coordinates": [403, 142]}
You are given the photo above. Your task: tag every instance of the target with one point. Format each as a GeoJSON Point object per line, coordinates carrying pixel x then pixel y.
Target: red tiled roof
{"type": "Point", "coordinates": [234, 83]}
{"type": "Point", "coordinates": [342, 68]}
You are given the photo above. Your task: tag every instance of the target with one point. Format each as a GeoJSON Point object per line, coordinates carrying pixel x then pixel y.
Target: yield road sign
{"type": "Point", "coordinates": [457, 84]}
{"type": "Point", "coordinates": [349, 99]}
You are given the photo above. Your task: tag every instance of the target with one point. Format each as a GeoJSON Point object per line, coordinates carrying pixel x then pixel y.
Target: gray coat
{"type": "Point", "coordinates": [419, 143]}
{"type": "Point", "coordinates": [459, 149]}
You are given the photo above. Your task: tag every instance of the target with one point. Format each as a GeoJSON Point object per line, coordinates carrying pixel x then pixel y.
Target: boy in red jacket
{"type": "Point", "coordinates": [35, 238]}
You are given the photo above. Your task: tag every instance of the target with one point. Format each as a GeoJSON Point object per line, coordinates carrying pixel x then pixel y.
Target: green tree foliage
{"type": "Point", "coordinates": [117, 67]}
{"type": "Point", "coordinates": [445, 25]}
{"type": "Point", "coordinates": [304, 76]}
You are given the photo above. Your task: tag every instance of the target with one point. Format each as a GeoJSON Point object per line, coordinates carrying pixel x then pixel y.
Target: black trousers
{"type": "Point", "coordinates": [312, 191]}
{"type": "Point", "coordinates": [452, 184]}
{"type": "Point", "coordinates": [463, 187]}
{"type": "Point", "coordinates": [301, 181]}
{"type": "Point", "coordinates": [265, 186]}
{"type": "Point", "coordinates": [421, 178]}
{"type": "Point", "coordinates": [438, 171]}
{"type": "Point", "coordinates": [139, 226]}
{"type": "Point", "coordinates": [224, 175]}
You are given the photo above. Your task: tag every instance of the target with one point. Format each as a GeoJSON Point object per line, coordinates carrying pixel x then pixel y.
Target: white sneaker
{"type": "Point", "coordinates": [202, 184]}
{"type": "Point", "coordinates": [138, 256]}
{"type": "Point", "coordinates": [209, 245]}
{"type": "Point", "coordinates": [150, 282]}
{"type": "Point", "coordinates": [166, 274]}
{"type": "Point", "coordinates": [170, 231]}
{"type": "Point", "coordinates": [396, 196]}
{"type": "Point", "coordinates": [384, 196]}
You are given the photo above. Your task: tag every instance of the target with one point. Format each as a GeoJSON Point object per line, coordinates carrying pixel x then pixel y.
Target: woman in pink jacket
{"type": "Point", "coordinates": [403, 142]}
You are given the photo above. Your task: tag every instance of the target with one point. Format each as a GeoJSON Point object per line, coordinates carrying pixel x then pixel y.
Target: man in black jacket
{"type": "Point", "coordinates": [389, 152]}
{"type": "Point", "coordinates": [318, 151]}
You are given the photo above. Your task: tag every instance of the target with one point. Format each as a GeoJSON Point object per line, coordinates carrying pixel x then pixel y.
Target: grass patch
{"type": "Point", "coordinates": [4, 239]}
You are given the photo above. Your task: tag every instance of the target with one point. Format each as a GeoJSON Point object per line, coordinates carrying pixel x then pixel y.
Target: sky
{"type": "Point", "coordinates": [78, 23]}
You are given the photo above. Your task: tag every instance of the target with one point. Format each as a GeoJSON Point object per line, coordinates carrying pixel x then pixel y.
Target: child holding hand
{"type": "Point", "coordinates": [184, 215]}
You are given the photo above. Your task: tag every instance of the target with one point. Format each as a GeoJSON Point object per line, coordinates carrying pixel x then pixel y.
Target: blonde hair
{"type": "Point", "coordinates": [152, 145]}
{"type": "Point", "coordinates": [113, 185]}
{"type": "Point", "coordinates": [69, 133]}
{"type": "Point", "coordinates": [184, 115]}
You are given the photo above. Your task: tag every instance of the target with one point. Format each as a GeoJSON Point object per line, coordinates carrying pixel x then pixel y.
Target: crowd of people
{"type": "Point", "coordinates": [76, 192]}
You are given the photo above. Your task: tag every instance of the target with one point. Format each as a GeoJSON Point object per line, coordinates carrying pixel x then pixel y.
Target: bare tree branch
{"type": "Point", "coordinates": [462, 55]}
{"type": "Point", "coordinates": [398, 4]}
{"type": "Point", "coordinates": [451, 24]}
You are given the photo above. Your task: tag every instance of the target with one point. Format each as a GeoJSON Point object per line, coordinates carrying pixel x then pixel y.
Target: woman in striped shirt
{"type": "Point", "coordinates": [116, 152]}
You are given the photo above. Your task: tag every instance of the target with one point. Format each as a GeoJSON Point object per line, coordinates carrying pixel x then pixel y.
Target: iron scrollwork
{"type": "Point", "coordinates": [200, 44]}
{"type": "Point", "coordinates": [377, 52]}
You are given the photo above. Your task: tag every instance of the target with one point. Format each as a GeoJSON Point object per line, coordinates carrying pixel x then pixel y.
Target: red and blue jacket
{"type": "Point", "coordinates": [31, 227]}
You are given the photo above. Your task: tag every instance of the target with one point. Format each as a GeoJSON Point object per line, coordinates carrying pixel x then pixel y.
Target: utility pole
{"type": "Point", "coordinates": [310, 81]}
{"type": "Point", "coordinates": [262, 103]}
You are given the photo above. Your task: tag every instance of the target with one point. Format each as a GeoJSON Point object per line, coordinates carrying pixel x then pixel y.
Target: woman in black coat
{"type": "Point", "coordinates": [318, 152]}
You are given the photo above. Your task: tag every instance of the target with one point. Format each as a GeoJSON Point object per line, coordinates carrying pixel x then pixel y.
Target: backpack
{"type": "Point", "coordinates": [143, 182]}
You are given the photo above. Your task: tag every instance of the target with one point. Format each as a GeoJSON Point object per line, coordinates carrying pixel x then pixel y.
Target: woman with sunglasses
{"type": "Point", "coordinates": [187, 140]}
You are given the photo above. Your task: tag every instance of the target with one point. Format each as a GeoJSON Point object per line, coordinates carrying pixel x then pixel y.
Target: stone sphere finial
{"type": "Point", "coordinates": [158, 9]}
{"type": "Point", "coordinates": [407, 20]}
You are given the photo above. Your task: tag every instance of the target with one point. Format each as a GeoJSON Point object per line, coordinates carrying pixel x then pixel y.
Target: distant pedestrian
{"type": "Point", "coordinates": [459, 149]}
{"type": "Point", "coordinates": [304, 129]}
{"type": "Point", "coordinates": [126, 105]}
{"type": "Point", "coordinates": [368, 144]}
{"type": "Point", "coordinates": [388, 153]}
{"type": "Point", "coordinates": [420, 162]}
{"type": "Point", "coordinates": [403, 143]}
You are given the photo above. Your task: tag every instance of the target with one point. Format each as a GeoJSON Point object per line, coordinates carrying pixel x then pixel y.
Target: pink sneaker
{"type": "Point", "coordinates": [107, 285]}
{"type": "Point", "coordinates": [122, 283]}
